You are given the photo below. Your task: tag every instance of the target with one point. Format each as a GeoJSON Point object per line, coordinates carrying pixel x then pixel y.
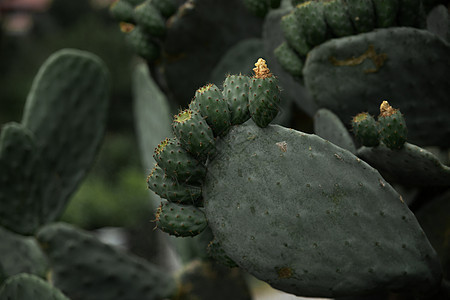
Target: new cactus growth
{"type": "Point", "coordinates": [392, 126]}
{"type": "Point", "coordinates": [180, 220]}
{"type": "Point", "coordinates": [366, 129]}
{"type": "Point", "coordinates": [235, 91]}
{"type": "Point", "coordinates": [264, 95]}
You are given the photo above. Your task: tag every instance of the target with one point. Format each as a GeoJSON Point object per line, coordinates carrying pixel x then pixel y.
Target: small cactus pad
{"type": "Point", "coordinates": [293, 33]}
{"type": "Point", "coordinates": [168, 188]}
{"type": "Point", "coordinates": [84, 268]}
{"type": "Point", "coordinates": [20, 254]}
{"type": "Point", "coordinates": [69, 98]}
{"type": "Point", "coordinates": [26, 287]}
{"type": "Point", "coordinates": [122, 11]}
{"type": "Point", "coordinates": [410, 165]}
{"type": "Point", "coordinates": [362, 14]}
{"type": "Point", "coordinates": [235, 91]}
{"type": "Point", "coordinates": [337, 17]}
{"type": "Point", "coordinates": [213, 107]}
{"type": "Point", "coordinates": [141, 42]}
{"type": "Point", "coordinates": [312, 22]}
{"type": "Point", "coordinates": [289, 60]}
{"type": "Point", "coordinates": [365, 129]}
{"type": "Point", "coordinates": [149, 18]}
{"type": "Point", "coordinates": [392, 126]}
{"type": "Point", "coordinates": [340, 211]}
{"type": "Point", "coordinates": [180, 220]}
{"type": "Point", "coordinates": [216, 251]}
{"type": "Point", "coordinates": [386, 12]}
{"type": "Point", "coordinates": [21, 196]}
{"type": "Point", "coordinates": [329, 127]}
{"type": "Point", "coordinates": [194, 134]}
{"type": "Point", "coordinates": [177, 162]}
{"type": "Point", "coordinates": [264, 95]}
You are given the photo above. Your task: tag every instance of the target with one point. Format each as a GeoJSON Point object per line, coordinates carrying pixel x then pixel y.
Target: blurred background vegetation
{"type": "Point", "coordinates": [114, 193]}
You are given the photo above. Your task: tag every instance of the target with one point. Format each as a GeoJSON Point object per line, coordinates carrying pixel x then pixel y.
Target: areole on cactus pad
{"type": "Point", "coordinates": [303, 214]}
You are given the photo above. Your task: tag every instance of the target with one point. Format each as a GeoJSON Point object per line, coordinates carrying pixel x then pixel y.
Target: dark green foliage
{"type": "Point", "coordinates": [235, 91]}
{"type": "Point", "coordinates": [366, 130]}
{"type": "Point", "coordinates": [261, 7]}
{"type": "Point", "coordinates": [180, 220]}
{"type": "Point", "coordinates": [84, 268]}
{"type": "Point", "coordinates": [170, 189]}
{"type": "Point", "coordinates": [165, 7]}
{"type": "Point", "coordinates": [26, 287]}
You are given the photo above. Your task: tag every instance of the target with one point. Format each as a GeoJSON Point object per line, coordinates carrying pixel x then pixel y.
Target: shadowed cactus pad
{"type": "Point", "coordinates": [180, 220]}
{"type": "Point", "coordinates": [309, 202]}
{"type": "Point", "coordinates": [25, 287]}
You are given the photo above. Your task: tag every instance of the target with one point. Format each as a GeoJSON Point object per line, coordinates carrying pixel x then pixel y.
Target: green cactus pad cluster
{"type": "Point", "coordinates": [340, 211]}
{"type": "Point", "coordinates": [371, 66]}
{"type": "Point", "coordinates": [83, 268]}
{"type": "Point", "coordinates": [26, 286]}
{"type": "Point", "coordinates": [180, 220]}
{"type": "Point", "coordinates": [180, 168]}
{"type": "Point", "coordinates": [264, 95]}
{"type": "Point", "coordinates": [144, 23]}
{"type": "Point", "coordinates": [311, 23]}
{"type": "Point", "coordinates": [365, 128]}
{"type": "Point", "coordinates": [392, 125]}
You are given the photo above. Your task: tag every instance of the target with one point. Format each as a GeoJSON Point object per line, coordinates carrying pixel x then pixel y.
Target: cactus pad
{"type": "Point", "coordinates": [235, 91]}
{"type": "Point", "coordinates": [366, 130]}
{"type": "Point", "coordinates": [26, 286]}
{"type": "Point", "coordinates": [86, 269]}
{"type": "Point", "coordinates": [411, 165]}
{"type": "Point", "coordinates": [180, 220]}
{"type": "Point", "coordinates": [392, 126]}
{"type": "Point", "coordinates": [340, 211]}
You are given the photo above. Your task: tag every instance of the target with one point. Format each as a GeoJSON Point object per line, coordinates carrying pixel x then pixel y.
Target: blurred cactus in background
{"type": "Point", "coordinates": [299, 144]}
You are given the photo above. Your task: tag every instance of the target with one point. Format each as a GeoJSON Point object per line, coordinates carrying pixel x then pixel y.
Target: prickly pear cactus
{"type": "Point", "coordinates": [41, 166]}
{"type": "Point", "coordinates": [25, 286]}
{"type": "Point", "coordinates": [281, 202]}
